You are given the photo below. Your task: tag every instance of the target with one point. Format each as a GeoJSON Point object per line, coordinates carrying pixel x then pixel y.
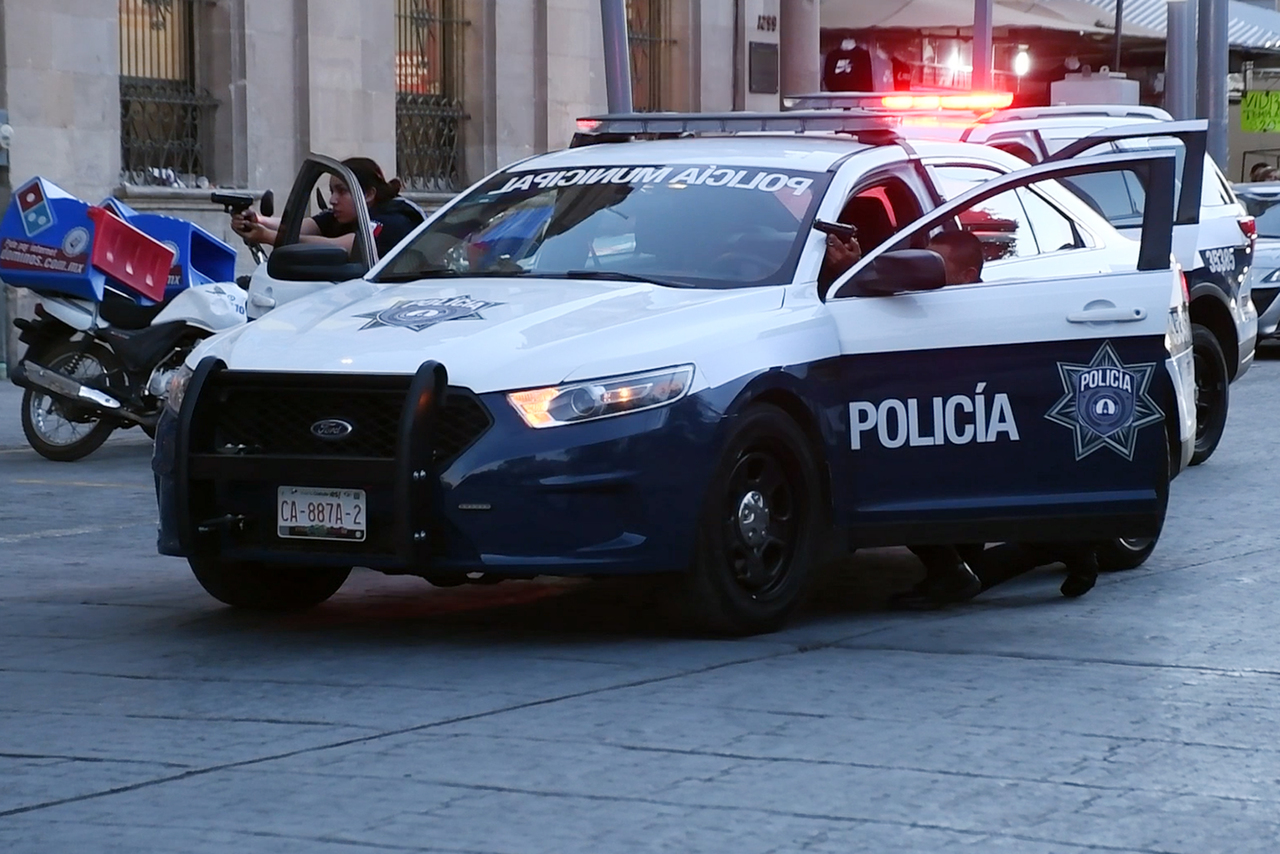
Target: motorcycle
{"type": "Point", "coordinates": [124, 298]}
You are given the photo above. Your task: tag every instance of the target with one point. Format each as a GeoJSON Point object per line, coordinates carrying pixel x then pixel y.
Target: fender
{"type": "Point", "coordinates": [41, 332]}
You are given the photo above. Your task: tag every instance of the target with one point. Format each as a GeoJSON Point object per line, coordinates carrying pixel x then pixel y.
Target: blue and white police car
{"type": "Point", "coordinates": [629, 357]}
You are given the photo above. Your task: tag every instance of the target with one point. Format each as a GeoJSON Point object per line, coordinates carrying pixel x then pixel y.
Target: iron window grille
{"type": "Point", "coordinates": [429, 93]}
{"type": "Point", "coordinates": [164, 116]}
{"type": "Point", "coordinates": [648, 27]}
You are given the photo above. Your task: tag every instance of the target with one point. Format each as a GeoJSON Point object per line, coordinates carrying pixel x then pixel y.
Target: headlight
{"type": "Point", "coordinates": [1273, 276]}
{"type": "Point", "coordinates": [587, 401]}
{"type": "Point", "coordinates": [177, 389]}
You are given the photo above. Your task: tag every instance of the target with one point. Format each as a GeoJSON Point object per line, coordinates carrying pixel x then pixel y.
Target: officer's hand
{"type": "Point", "coordinates": [840, 255]}
{"type": "Point", "coordinates": [244, 222]}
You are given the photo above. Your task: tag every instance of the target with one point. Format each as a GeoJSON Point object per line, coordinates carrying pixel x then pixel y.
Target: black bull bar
{"type": "Point", "coordinates": [411, 473]}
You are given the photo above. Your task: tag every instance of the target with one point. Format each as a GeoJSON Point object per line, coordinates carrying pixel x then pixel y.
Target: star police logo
{"type": "Point", "coordinates": [420, 314]}
{"type": "Point", "coordinates": [1105, 403]}
{"type": "Point", "coordinates": [37, 213]}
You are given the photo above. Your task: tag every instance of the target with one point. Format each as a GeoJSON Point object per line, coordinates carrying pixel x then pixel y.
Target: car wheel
{"type": "Point", "coordinates": [257, 586]}
{"type": "Point", "coordinates": [1132, 552]}
{"type": "Point", "coordinates": [759, 528]}
{"type": "Point", "coordinates": [1212, 392]}
{"type": "Point", "coordinates": [58, 429]}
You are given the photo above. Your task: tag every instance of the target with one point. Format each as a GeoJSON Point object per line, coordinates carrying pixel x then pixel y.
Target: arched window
{"type": "Point", "coordinates": [164, 115]}
{"type": "Point", "coordinates": [429, 112]}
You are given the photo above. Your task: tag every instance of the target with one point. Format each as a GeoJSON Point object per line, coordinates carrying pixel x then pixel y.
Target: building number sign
{"type": "Point", "coordinates": [767, 23]}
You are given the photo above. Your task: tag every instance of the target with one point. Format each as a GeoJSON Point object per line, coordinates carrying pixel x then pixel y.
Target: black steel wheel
{"type": "Point", "coordinates": [60, 429]}
{"type": "Point", "coordinates": [1213, 391]}
{"type": "Point", "coordinates": [759, 530]}
{"type": "Point", "coordinates": [256, 586]}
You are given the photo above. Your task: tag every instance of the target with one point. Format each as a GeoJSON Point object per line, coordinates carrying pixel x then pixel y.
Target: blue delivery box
{"type": "Point", "coordinates": [52, 242]}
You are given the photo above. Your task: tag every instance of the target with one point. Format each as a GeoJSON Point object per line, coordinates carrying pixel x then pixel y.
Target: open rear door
{"type": "Point", "coordinates": [1122, 202]}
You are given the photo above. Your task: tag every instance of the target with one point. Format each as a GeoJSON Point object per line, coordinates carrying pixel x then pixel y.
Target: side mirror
{"type": "Point", "coordinates": [311, 262]}
{"type": "Point", "coordinates": [898, 271]}
{"type": "Point", "coordinates": [267, 205]}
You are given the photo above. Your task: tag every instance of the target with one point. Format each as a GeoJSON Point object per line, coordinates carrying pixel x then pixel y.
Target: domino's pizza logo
{"type": "Point", "coordinates": [1105, 403]}
{"type": "Point", "coordinates": [36, 212]}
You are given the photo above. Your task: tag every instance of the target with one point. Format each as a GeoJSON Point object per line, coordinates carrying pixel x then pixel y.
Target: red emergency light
{"type": "Point", "coordinates": [972, 101]}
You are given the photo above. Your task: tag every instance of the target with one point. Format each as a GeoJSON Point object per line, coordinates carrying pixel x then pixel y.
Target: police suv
{"type": "Point", "coordinates": [627, 357]}
{"type": "Point", "coordinates": [1214, 235]}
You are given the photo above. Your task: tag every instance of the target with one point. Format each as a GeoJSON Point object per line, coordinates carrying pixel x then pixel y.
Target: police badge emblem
{"type": "Point", "coordinates": [1105, 403]}
{"type": "Point", "coordinates": [421, 314]}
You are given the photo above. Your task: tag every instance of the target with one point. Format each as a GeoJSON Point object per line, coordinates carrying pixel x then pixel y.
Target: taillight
{"type": "Point", "coordinates": [1186, 292]}
{"type": "Point", "coordinates": [1249, 227]}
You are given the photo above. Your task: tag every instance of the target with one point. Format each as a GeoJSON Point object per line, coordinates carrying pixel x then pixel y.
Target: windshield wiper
{"type": "Point", "coordinates": [447, 272]}
{"type": "Point", "coordinates": [617, 276]}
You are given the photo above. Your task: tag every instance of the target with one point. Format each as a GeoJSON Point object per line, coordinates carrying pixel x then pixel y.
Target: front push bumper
{"type": "Point", "coordinates": [616, 496]}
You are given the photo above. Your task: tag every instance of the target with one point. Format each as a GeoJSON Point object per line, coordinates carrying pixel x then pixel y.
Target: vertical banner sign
{"type": "Point", "coordinates": [1260, 111]}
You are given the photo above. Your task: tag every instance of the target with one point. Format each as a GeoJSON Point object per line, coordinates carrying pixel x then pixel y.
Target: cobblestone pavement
{"type": "Point", "coordinates": [136, 715]}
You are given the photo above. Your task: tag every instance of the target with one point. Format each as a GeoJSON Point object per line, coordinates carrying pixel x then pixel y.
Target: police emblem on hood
{"type": "Point", "coordinates": [419, 314]}
{"type": "Point", "coordinates": [1105, 403]}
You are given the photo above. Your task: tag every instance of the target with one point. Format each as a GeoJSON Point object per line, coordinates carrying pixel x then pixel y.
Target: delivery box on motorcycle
{"type": "Point", "coordinates": [52, 242]}
{"type": "Point", "coordinates": [199, 258]}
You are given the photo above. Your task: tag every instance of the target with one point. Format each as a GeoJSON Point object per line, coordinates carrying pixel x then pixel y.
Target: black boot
{"type": "Point", "coordinates": [947, 579]}
{"type": "Point", "coordinates": [1082, 572]}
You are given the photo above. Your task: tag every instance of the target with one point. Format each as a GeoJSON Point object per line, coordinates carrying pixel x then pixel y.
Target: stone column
{"type": "Point", "coordinates": [800, 48]}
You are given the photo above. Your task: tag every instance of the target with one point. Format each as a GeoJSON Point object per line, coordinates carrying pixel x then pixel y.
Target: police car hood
{"type": "Point", "coordinates": [494, 334]}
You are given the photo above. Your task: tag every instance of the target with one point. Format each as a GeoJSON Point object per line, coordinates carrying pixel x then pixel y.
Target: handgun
{"type": "Point", "coordinates": [232, 203]}
{"type": "Point", "coordinates": [839, 229]}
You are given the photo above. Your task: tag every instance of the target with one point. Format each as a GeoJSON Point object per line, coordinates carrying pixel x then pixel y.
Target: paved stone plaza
{"type": "Point", "coordinates": [138, 715]}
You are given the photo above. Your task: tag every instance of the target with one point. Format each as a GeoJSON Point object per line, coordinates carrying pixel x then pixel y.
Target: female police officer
{"type": "Point", "coordinates": [392, 217]}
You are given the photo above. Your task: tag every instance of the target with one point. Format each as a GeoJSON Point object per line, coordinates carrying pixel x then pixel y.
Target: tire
{"type": "Point", "coordinates": [1213, 392]}
{"type": "Point", "coordinates": [256, 586]}
{"type": "Point", "coordinates": [54, 428]}
{"type": "Point", "coordinates": [1132, 552]}
{"type": "Point", "coordinates": [759, 530]}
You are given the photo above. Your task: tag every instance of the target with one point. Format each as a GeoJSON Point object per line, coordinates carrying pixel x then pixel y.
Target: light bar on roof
{"type": "Point", "coordinates": [849, 121]}
{"type": "Point", "coordinates": [903, 102]}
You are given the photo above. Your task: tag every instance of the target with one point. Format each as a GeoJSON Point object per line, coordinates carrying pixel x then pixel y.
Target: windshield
{"type": "Point", "coordinates": [700, 226]}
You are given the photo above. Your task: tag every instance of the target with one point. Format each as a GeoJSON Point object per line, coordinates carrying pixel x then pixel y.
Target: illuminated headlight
{"type": "Point", "coordinates": [177, 389]}
{"type": "Point", "coordinates": [587, 401]}
{"type": "Point", "coordinates": [1273, 276]}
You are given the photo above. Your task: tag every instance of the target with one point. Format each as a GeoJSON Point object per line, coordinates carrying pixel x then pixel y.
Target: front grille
{"type": "Point", "coordinates": [260, 420]}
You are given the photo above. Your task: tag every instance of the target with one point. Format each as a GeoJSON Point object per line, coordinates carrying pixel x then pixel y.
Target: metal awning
{"type": "Point", "coordinates": [1066, 15]}
{"type": "Point", "coordinates": [1248, 27]}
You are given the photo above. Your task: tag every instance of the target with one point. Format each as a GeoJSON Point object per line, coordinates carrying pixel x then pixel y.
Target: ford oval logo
{"type": "Point", "coordinates": [332, 429]}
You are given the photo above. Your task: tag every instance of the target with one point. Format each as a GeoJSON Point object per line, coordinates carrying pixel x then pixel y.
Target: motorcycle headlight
{"type": "Point", "coordinates": [587, 401]}
{"type": "Point", "coordinates": [177, 389]}
{"type": "Point", "coordinates": [1273, 276]}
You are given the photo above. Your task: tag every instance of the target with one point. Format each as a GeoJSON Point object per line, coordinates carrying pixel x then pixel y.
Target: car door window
{"type": "Point", "coordinates": [878, 210]}
{"type": "Point", "coordinates": [1054, 230]}
{"type": "Point", "coordinates": [1000, 222]}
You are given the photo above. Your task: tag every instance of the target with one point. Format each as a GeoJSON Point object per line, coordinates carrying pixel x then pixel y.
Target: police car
{"type": "Point", "coordinates": [624, 358]}
{"type": "Point", "coordinates": [1214, 235]}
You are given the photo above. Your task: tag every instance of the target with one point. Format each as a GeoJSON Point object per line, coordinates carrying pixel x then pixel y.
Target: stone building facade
{"type": "Point", "coordinates": [154, 100]}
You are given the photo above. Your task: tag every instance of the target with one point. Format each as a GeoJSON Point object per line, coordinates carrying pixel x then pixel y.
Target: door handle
{"type": "Point", "coordinates": [1108, 315]}
{"type": "Point", "coordinates": [263, 302]}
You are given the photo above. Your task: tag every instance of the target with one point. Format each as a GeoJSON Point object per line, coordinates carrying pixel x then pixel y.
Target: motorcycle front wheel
{"type": "Point", "coordinates": [59, 429]}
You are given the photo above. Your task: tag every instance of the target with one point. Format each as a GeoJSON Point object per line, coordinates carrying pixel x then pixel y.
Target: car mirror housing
{"type": "Point", "coordinates": [310, 262]}
{"type": "Point", "coordinates": [898, 271]}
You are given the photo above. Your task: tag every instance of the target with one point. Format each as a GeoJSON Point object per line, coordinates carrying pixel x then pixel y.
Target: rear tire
{"type": "Point", "coordinates": [1213, 392]}
{"type": "Point", "coordinates": [53, 427]}
{"type": "Point", "coordinates": [759, 530]}
{"type": "Point", "coordinates": [256, 586]}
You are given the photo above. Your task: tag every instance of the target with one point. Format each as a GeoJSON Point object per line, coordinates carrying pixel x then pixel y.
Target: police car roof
{"type": "Point", "coordinates": [803, 153]}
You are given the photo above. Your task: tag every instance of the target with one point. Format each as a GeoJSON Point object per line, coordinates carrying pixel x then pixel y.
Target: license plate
{"type": "Point", "coordinates": [307, 513]}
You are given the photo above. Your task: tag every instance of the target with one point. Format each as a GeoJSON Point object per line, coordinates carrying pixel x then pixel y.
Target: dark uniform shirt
{"type": "Point", "coordinates": [392, 221]}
